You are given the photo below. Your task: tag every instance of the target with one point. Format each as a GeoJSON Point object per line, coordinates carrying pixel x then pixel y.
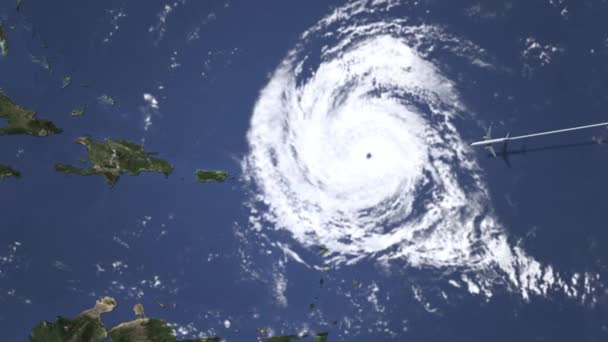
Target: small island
{"type": "Point", "coordinates": [114, 158]}
{"type": "Point", "coordinates": [23, 121]}
{"type": "Point", "coordinates": [67, 80]}
{"type": "Point", "coordinates": [106, 100]}
{"type": "Point", "coordinates": [210, 176]}
{"type": "Point", "coordinates": [7, 172]}
{"type": "Point", "coordinates": [78, 111]}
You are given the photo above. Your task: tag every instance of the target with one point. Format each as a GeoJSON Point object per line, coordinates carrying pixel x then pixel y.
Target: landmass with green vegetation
{"type": "Point", "coordinates": [210, 176]}
{"type": "Point", "coordinates": [85, 327]}
{"type": "Point", "coordinates": [3, 42]}
{"type": "Point", "coordinates": [106, 100]}
{"type": "Point", "coordinates": [149, 329]}
{"type": "Point", "coordinates": [23, 121]}
{"type": "Point", "coordinates": [43, 62]}
{"type": "Point", "coordinates": [7, 172]}
{"type": "Point", "coordinates": [67, 80]}
{"type": "Point", "coordinates": [114, 158]}
{"type": "Point", "coordinates": [78, 111]}
{"type": "Point", "coordinates": [88, 327]}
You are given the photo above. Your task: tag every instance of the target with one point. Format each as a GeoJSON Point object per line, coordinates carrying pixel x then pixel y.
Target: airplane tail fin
{"type": "Point", "coordinates": [488, 135]}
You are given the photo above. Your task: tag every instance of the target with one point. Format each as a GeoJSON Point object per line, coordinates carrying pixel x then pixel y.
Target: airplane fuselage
{"type": "Point", "coordinates": [489, 142]}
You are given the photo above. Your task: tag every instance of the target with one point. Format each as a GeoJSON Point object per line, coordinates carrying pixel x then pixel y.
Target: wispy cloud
{"type": "Point", "coordinates": [149, 110]}
{"type": "Point", "coordinates": [116, 16]}
{"type": "Point", "coordinates": [159, 29]}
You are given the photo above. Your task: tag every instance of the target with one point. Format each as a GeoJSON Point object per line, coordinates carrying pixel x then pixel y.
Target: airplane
{"type": "Point", "coordinates": [488, 143]}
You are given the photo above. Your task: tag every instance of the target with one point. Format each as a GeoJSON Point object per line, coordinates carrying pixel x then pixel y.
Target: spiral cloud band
{"type": "Point", "coordinates": [354, 146]}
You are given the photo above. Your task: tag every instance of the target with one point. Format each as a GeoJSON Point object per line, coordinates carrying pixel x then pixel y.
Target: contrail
{"type": "Point", "coordinates": [489, 141]}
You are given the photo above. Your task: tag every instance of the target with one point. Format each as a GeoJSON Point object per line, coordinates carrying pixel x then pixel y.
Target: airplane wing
{"type": "Point", "coordinates": [490, 149]}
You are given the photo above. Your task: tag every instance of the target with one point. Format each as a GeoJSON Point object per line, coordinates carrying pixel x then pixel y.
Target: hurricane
{"type": "Point", "coordinates": [356, 145]}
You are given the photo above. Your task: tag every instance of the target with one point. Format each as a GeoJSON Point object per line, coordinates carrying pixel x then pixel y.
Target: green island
{"type": "Point", "coordinates": [3, 43]}
{"type": "Point", "coordinates": [89, 327]}
{"type": "Point", "coordinates": [79, 111]}
{"type": "Point", "coordinates": [113, 158]}
{"type": "Point", "coordinates": [85, 327]}
{"type": "Point", "coordinates": [106, 100]}
{"type": "Point", "coordinates": [43, 62]}
{"type": "Point", "coordinates": [67, 80]}
{"type": "Point", "coordinates": [23, 121]}
{"type": "Point", "coordinates": [210, 176]}
{"type": "Point", "coordinates": [7, 172]}
{"type": "Point", "coordinates": [149, 329]}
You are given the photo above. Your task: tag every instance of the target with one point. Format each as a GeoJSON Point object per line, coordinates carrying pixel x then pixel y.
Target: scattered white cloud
{"type": "Point", "coordinates": [454, 283]}
{"type": "Point", "coordinates": [537, 54]}
{"type": "Point", "coordinates": [419, 296]}
{"type": "Point", "coordinates": [99, 269]}
{"type": "Point", "coordinates": [154, 283]}
{"type": "Point", "coordinates": [151, 100]}
{"type": "Point", "coordinates": [372, 297]}
{"type": "Point", "coordinates": [145, 220]}
{"type": "Point", "coordinates": [219, 58]}
{"type": "Point", "coordinates": [279, 288]}
{"type": "Point", "coordinates": [121, 242]}
{"type": "Point", "coordinates": [488, 11]}
{"type": "Point", "coordinates": [174, 63]}
{"type": "Point", "coordinates": [119, 266]}
{"type": "Point", "coordinates": [12, 259]}
{"type": "Point", "coordinates": [149, 110]}
{"type": "Point", "coordinates": [61, 266]}
{"type": "Point", "coordinates": [195, 34]}
{"type": "Point", "coordinates": [116, 16]}
{"type": "Point", "coordinates": [132, 292]}
{"type": "Point", "coordinates": [561, 6]}
{"type": "Point", "coordinates": [160, 27]}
